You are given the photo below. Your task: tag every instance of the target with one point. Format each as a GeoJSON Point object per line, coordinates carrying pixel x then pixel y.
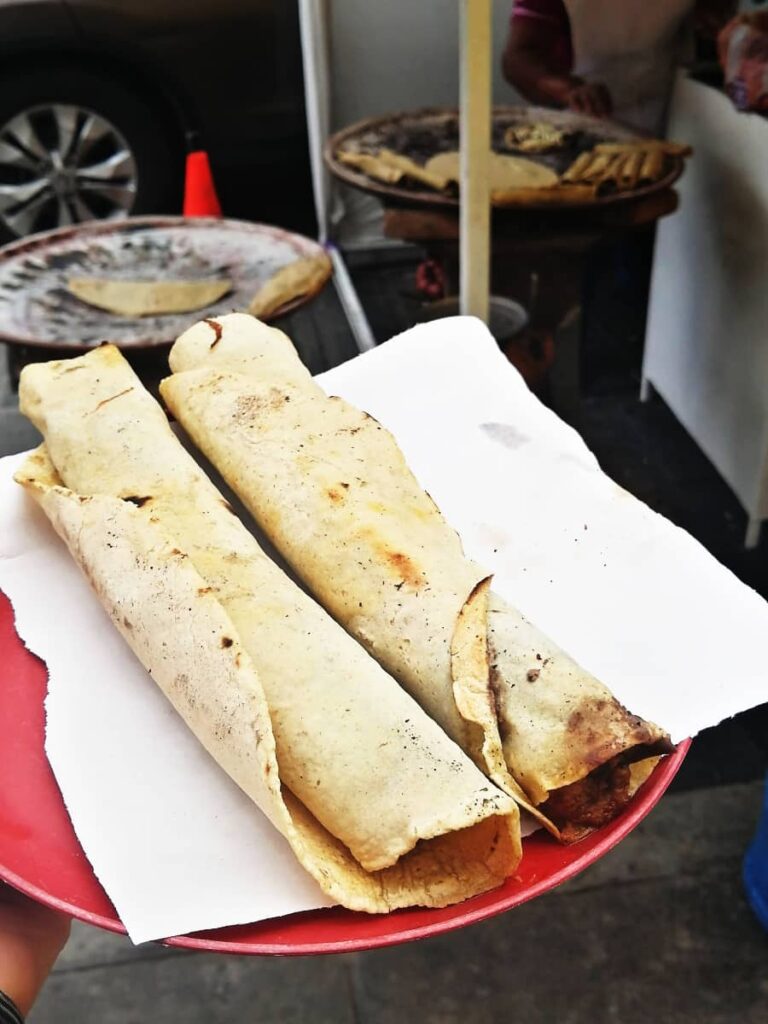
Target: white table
{"type": "Point", "coordinates": [707, 337]}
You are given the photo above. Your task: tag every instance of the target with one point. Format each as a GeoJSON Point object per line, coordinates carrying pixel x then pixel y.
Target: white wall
{"type": "Point", "coordinates": [390, 55]}
{"type": "Point", "coordinates": [706, 348]}
{"type": "Point", "coordinates": [394, 54]}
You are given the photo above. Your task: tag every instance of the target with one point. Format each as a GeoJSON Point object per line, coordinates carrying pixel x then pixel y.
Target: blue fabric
{"type": "Point", "coordinates": [756, 867]}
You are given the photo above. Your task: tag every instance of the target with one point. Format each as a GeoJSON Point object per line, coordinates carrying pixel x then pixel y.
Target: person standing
{"type": "Point", "coordinates": [607, 58]}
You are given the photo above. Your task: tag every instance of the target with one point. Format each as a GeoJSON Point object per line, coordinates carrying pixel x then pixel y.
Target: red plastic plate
{"type": "Point", "coordinates": [40, 854]}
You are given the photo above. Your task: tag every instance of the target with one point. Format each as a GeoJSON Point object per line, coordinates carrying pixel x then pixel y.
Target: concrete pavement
{"type": "Point", "coordinates": [658, 930]}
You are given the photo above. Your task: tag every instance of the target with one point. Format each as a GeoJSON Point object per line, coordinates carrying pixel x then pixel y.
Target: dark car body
{"type": "Point", "coordinates": [224, 72]}
{"type": "Point", "coordinates": [229, 69]}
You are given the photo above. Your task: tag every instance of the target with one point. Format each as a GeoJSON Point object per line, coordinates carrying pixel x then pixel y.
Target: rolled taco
{"type": "Point", "coordinates": [401, 585]}
{"type": "Point", "coordinates": [331, 490]}
{"type": "Point", "coordinates": [379, 805]}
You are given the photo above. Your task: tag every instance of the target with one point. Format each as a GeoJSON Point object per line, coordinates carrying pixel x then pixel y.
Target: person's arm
{"type": "Point", "coordinates": [533, 63]}
{"type": "Point", "coordinates": [31, 938]}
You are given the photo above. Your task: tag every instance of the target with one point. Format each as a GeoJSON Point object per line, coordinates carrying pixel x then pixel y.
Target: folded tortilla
{"type": "Point", "coordinates": [331, 489]}
{"type": "Point", "coordinates": [371, 165]}
{"type": "Point", "coordinates": [505, 173]}
{"type": "Point", "coordinates": [147, 298]}
{"type": "Point", "coordinates": [293, 281]}
{"type": "Point", "coordinates": [677, 149]}
{"type": "Point", "coordinates": [379, 805]}
{"type": "Point", "coordinates": [390, 167]}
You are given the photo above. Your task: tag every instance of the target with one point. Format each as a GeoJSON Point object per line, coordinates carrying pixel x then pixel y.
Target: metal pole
{"type": "Point", "coordinates": [475, 124]}
{"type": "Point", "coordinates": [314, 16]}
{"type": "Point", "coordinates": [315, 58]}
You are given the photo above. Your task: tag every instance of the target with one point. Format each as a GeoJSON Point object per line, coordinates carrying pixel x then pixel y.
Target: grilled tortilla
{"type": "Point", "coordinates": [147, 298]}
{"type": "Point", "coordinates": [537, 137]}
{"type": "Point", "coordinates": [293, 281]}
{"type": "Point", "coordinates": [331, 489]}
{"type": "Point", "coordinates": [505, 173]}
{"type": "Point", "coordinates": [379, 805]}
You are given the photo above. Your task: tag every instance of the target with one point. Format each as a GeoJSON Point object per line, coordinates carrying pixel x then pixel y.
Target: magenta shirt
{"type": "Point", "coordinates": [554, 18]}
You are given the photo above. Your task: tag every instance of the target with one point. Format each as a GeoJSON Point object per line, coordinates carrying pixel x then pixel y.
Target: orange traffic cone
{"type": "Point", "coordinates": [200, 199]}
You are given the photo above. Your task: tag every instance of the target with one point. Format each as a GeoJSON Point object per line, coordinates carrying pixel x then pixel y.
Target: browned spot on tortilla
{"type": "Point", "coordinates": [127, 623]}
{"type": "Point", "coordinates": [138, 500]}
{"type": "Point", "coordinates": [104, 401]}
{"type": "Point", "coordinates": [237, 659]}
{"type": "Point", "coordinates": [495, 679]}
{"type": "Point", "coordinates": [345, 486]}
{"type": "Point", "coordinates": [216, 328]}
{"type": "Point", "coordinates": [335, 496]}
{"type": "Point", "coordinates": [574, 721]}
{"type": "Point", "coordinates": [177, 551]}
{"type": "Point", "coordinates": [71, 369]}
{"type": "Point", "coordinates": [205, 590]}
{"type": "Point", "coordinates": [250, 405]}
{"type": "Point", "coordinates": [533, 674]}
{"type": "Point", "coordinates": [601, 728]}
{"type": "Point", "coordinates": [403, 566]}
{"type": "Point", "coordinates": [227, 641]}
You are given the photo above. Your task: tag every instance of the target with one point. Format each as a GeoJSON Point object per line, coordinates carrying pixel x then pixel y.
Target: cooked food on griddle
{"type": "Point", "coordinates": [537, 137]}
{"type": "Point", "coordinates": [505, 172]}
{"type": "Point", "coordinates": [147, 298]}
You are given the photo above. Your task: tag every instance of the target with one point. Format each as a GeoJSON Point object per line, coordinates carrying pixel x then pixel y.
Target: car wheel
{"type": "Point", "coordinates": [75, 146]}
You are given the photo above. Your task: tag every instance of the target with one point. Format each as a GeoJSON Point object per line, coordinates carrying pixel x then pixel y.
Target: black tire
{"type": "Point", "coordinates": [155, 142]}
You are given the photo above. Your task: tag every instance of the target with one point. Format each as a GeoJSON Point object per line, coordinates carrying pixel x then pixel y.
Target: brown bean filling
{"type": "Point", "coordinates": [591, 802]}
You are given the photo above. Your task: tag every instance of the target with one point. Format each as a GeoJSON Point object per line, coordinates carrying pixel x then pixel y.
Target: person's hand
{"type": "Point", "coordinates": [589, 98]}
{"type": "Point", "coordinates": [31, 938]}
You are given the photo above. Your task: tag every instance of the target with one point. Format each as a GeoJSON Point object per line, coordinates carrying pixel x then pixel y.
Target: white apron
{"type": "Point", "coordinates": [632, 46]}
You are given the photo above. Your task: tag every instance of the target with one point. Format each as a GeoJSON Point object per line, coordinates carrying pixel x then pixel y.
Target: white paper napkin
{"type": "Point", "coordinates": [176, 845]}
{"type": "Point", "coordinates": [636, 600]}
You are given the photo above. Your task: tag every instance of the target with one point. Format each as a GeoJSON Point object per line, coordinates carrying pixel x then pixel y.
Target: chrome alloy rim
{"type": "Point", "coordinates": [61, 164]}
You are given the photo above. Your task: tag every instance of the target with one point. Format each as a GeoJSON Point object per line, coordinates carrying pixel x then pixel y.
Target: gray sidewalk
{"type": "Point", "coordinates": [657, 930]}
